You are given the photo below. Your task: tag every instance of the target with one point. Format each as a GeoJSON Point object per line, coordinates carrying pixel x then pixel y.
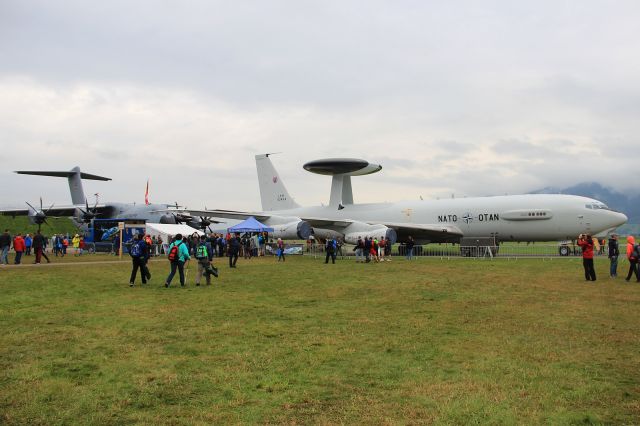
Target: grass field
{"type": "Point", "coordinates": [431, 341]}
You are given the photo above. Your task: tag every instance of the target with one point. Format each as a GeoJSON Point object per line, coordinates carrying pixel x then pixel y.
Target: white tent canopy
{"type": "Point", "coordinates": [164, 230]}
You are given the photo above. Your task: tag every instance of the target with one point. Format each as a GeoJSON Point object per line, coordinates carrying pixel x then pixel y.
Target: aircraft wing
{"type": "Point", "coordinates": [427, 232]}
{"type": "Point", "coordinates": [223, 214]}
{"type": "Point", "coordinates": [419, 232]}
{"type": "Point", "coordinates": [55, 211]}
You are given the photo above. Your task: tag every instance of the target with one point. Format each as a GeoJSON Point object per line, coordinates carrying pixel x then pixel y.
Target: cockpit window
{"type": "Point", "coordinates": [597, 206]}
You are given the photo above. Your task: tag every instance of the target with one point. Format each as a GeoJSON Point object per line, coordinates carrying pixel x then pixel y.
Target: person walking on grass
{"type": "Point", "coordinates": [632, 256]}
{"type": "Point", "coordinates": [233, 249]}
{"type": "Point", "coordinates": [138, 251]}
{"type": "Point", "coordinates": [586, 244]}
{"type": "Point", "coordinates": [204, 256]}
{"type": "Point", "coordinates": [614, 252]}
{"type": "Point", "coordinates": [39, 243]}
{"type": "Point", "coordinates": [28, 242]}
{"type": "Point", "coordinates": [178, 255]}
{"type": "Point", "coordinates": [19, 247]}
{"type": "Point", "coordinates": [330, 249]}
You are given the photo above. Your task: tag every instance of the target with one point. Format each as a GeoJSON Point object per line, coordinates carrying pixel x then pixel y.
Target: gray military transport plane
{"type": "Point", "coordinates": [532, 217]}
{"type": "Point", "coordinates": [82, 213]}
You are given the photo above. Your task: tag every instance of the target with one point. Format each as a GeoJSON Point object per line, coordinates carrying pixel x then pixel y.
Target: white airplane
{"type": "Point", "coordinates": [531, 217]}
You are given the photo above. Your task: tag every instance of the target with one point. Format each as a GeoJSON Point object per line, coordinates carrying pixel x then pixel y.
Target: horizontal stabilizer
{"type": "Point", "coordinates": [62, 174]}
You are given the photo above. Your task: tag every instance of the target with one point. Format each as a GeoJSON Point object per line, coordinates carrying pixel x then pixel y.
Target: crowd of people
{"type": "Point", "coordinates": [589, 245]}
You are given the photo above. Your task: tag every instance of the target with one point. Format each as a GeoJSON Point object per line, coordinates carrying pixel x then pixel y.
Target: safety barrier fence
{"type": "Point", "coordinates": [508, 250]}
{"type": "Point", "coordinates": [505, 250]}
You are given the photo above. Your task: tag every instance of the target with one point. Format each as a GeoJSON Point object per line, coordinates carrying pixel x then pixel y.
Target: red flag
{"type": "Point", "coordinates": [146, 194]}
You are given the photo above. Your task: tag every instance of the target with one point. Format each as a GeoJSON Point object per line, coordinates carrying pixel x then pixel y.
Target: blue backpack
{"type": "Point", "coordinates": [136, 250]}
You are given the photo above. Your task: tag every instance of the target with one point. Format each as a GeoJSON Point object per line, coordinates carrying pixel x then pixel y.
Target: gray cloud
{"type": "Point", "coordinates": [466, 97]}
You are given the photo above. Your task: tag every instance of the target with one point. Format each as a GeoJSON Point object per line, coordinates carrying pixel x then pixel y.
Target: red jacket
{"type": "Point", "coordinates": [18, 243]}
{"type": "Point", "coordinates": [587, 249]}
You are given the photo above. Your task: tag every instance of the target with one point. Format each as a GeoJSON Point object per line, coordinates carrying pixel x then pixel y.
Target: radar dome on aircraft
{"type": "Point", "coordinates": [342, 166]}
{"type": "Point", "coordinates": [341, 169]}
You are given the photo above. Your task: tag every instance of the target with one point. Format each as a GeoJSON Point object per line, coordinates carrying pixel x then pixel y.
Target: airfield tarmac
{"type": "Point", "coordinates": [429, 341]}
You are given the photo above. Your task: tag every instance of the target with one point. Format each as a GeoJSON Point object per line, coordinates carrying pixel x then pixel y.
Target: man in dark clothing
{"type": "Point", "coordinates": [367, 249]}
{"type": "Point", "coordinates": [614, 252]}
{"type": "Point", "coordinates": [5, 245]}
{"type": "Point", "coordinates": [39, 243]}
{"type": "Point", "coordinates": [330, 248]}
{"type": "Point", "coordinates": [139, 253]}
{"type": "Point", "coordinates": [233, 250]}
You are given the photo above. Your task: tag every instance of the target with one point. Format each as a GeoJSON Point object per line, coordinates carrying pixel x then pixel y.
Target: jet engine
{"type": "Point", "coordinates": [361, 230]}
{"type": "Point", "coordinates": [294, 230]}
{"type": "Point", "coordinates": [168, 219]}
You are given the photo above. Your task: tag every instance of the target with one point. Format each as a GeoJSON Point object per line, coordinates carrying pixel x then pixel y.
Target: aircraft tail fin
{"type": "Point", "coordinates": [273, 194]}
{"type": "Point", "coordinates": [74, 176]}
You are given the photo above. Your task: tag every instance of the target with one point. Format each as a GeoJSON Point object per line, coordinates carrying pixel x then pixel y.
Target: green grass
{"type": "Point", "coordinates": [54, 225]}
{"type": "Point", "coordinates": [431, 341]}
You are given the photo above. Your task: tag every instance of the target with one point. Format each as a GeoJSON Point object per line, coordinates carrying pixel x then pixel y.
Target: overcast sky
{"type": "Point", "coordinates": [464, 97]}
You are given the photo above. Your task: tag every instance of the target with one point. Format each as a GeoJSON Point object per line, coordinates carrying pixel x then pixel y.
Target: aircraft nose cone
{"type": "Point", "coordinates": [619, 219]}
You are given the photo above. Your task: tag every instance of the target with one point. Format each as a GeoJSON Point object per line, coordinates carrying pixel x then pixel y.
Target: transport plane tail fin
{"type": "Point", "coordinates": [273, 194]}
{"type": "Point", "coordinates": [74, 176]}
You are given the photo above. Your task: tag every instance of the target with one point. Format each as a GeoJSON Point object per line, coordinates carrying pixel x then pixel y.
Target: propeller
{"type": "Point", "coordinates": [89, 214]}
{"type": "Point", "coordinates": [39, 216]}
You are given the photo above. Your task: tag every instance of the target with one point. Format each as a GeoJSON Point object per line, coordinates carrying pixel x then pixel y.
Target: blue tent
{"type": "Point", "coordinates": [250, 225]}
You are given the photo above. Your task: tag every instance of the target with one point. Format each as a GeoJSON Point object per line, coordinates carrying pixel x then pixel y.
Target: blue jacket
{"type": "Point", "coordinates": [183, 250]}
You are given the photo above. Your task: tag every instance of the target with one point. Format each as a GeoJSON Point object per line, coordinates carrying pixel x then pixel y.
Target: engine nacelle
{"type": "Point", "coordinates": [361, 230]}
{"type": "Point", "coordinates": [168, 219]}
{"type": "Point", "coordinates": [293, 230]}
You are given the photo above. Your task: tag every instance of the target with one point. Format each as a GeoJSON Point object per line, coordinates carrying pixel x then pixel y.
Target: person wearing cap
{"type": "Point", "coordinates": [614, 252]}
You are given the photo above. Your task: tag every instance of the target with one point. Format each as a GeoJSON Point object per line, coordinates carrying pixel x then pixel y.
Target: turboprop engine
{"type": "Point", "coordinates": [296, 229]}
{"type": "Point", "coordinates": [361, 230]}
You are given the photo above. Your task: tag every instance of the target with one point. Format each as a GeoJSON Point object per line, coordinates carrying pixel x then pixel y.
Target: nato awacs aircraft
{"type": "Point", "coordinates": [82, 213]}
{"type": "Point", "coordinates": [532, 217]}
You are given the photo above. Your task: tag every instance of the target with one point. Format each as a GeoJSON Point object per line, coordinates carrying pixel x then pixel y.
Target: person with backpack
{"type": "Point", "coordinates": [178, 255]}
{"type": "Point", "coordinates": [633, 254]}
{"type": "Point", "coordinates": [138, 253]}
{"type": "Point", "coordinates": [586, 244]}
{"type": "Point", "coordinates": [330, 249]}
{"type": "Point", "coordinates": [203, 256]}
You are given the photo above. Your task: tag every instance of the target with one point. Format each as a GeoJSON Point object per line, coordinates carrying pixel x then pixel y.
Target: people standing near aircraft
{"type": "Point", "coordinates": [204, 256]}
{"type": "Point", "coordinates": [330, 249]}
{"type": "Point", "coordinates": [18, 247]}
{"type": "Point", "coordinates": [81, 246]}
{"type": "Point", "coordinates": [138, 253]}
{"type": "Point", "coordinates": [586, 243]}
{"type": "Point", "coordinates": [177, 257]}
{"type": "Point", "coordinates": [221, 245]}
{"type": "Point", "coordinates": [367, 249]}
{"type": "Point", "coordinates": [374, 250]}
{"type": "Point", "coordinates": [387, 250]}
{"type": "Point", "coordinates": [233, 249]}
{"type": "Point", "coordinates": [359, 247]}
{"type": "Point", "coordinates": [381, 246]}
{"type": "Point", "coordinates": [632, 256]}
{"type": "Point", "coordinates": [409, 247]}
{"type": "Point", "coordinates": [280, 245]}
{"type": "Point", "coordinates": [5, 245]}
{"type": "Point", "coordinates": [28, 242]}
{"type": "Point", "coordinates": [39, 243]}
{"type": "Point", "coordinates": [614, 252]}
{"type": "Point", "coordinates": [76, 244]}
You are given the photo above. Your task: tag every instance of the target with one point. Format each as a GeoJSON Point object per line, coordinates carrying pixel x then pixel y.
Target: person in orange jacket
{"type": "Point", "coordinates": [19, 246]}
{"type": "Point", "coordinates": [632, 255]}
